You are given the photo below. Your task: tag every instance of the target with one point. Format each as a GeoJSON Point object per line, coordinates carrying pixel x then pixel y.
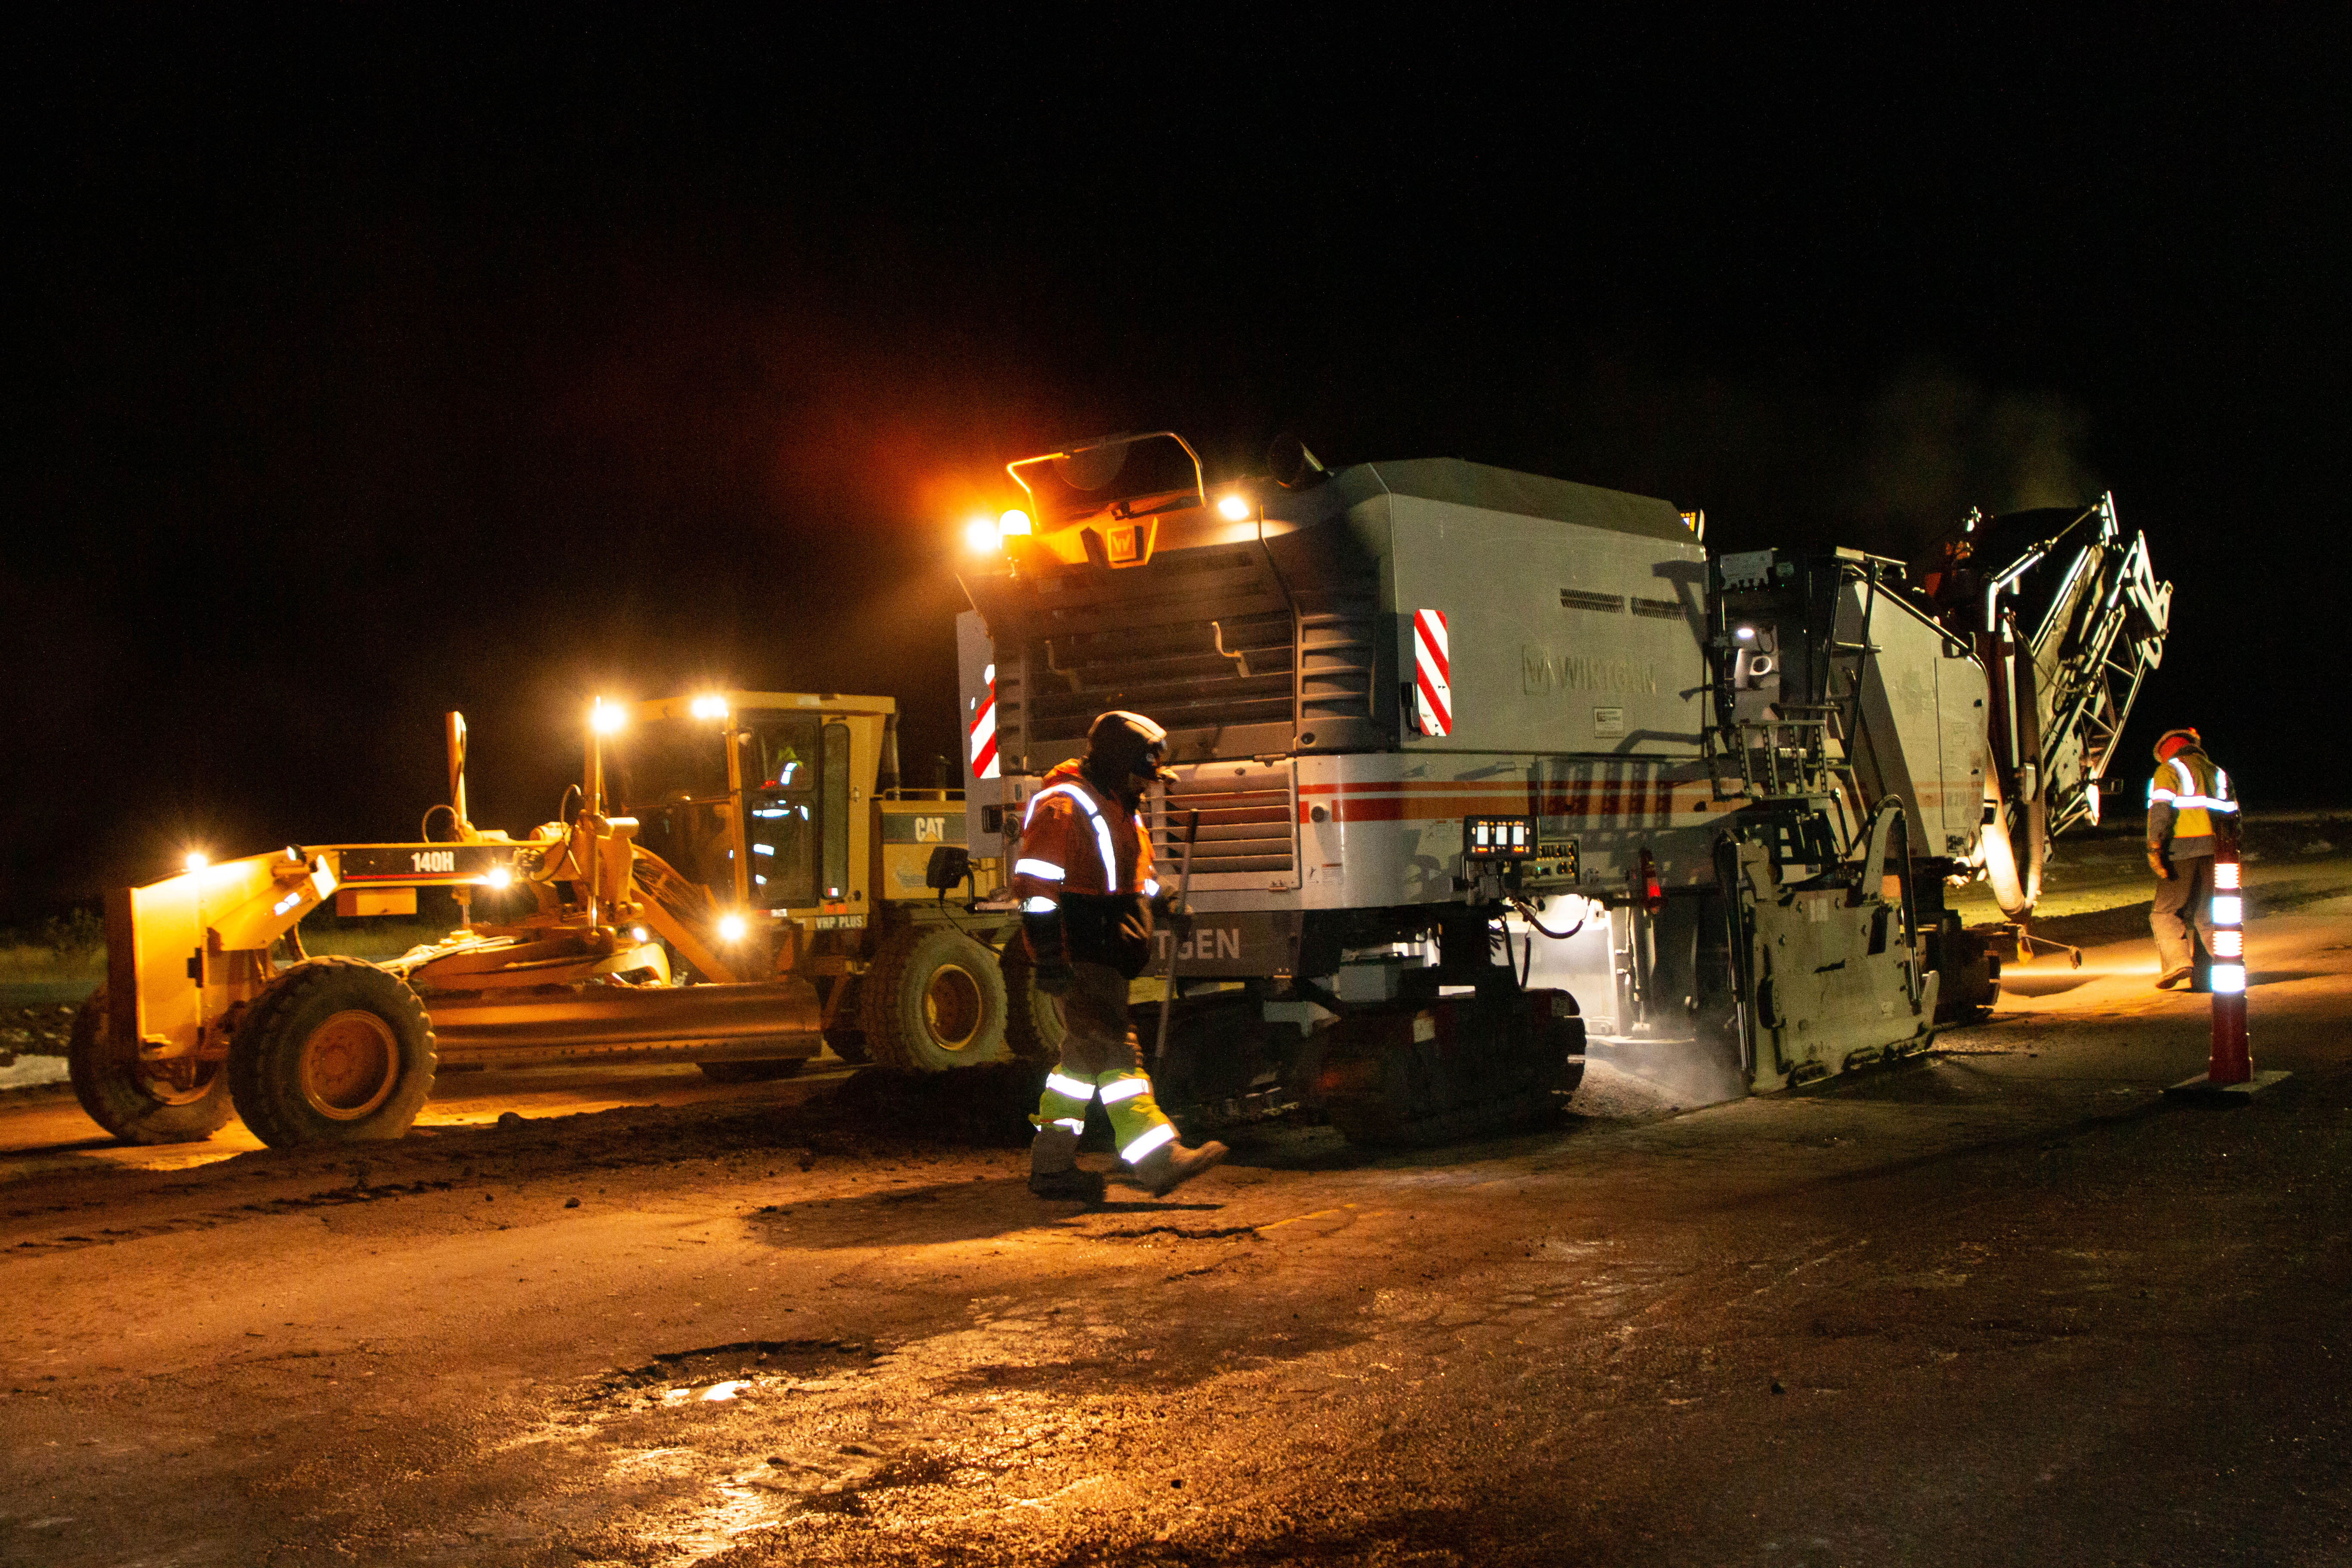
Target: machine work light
{"type": "Point", "coordinates": [710, 707]}
{"type": "Point", "coordinates": [1234, 508]}
{"type": "Point", "coordinates": [1013, 524]}
{"type": "Point", "coordinates": [731, 928]}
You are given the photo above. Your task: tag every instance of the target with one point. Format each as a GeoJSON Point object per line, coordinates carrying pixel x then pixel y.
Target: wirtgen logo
{"type": "Point", "coordinates": [1206, 942]}
{"type": "Point", "coordinates": [1542, 672]}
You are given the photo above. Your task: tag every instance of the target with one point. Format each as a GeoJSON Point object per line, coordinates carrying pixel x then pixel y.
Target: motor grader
{"type": "Point", "coordinates": [738, 881]}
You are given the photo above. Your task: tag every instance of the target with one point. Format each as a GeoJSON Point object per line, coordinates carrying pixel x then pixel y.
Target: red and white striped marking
{"type": "Point", "coordinates": [1433, 693]}
{"type": "Point", "coordinates": [983, 731]}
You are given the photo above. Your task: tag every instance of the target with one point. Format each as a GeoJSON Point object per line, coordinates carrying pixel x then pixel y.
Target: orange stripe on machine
{"type": "Point", "coordinates": [1633, 799]}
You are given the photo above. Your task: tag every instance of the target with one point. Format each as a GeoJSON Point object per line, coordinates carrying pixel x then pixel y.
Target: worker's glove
{"type": "Point", "coordinates": [1173, 911]}
{"type": "Point", "coordinates": [2156, 864]}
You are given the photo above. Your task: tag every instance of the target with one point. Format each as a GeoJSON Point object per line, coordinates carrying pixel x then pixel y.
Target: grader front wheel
{"type": "Point", "coordinates": [133, 1100]}
{"type": "Point", "coordinates": [335, 1051]}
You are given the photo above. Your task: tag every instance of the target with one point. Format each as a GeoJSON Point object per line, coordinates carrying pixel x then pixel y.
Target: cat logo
{"type": "Point", "coordinates": [931, 830]}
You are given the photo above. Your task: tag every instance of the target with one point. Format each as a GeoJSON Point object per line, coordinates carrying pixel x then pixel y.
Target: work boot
{"type": "Point", "coordinates": [1054, 1170]}
{"type": "Point", "coordinates": [2172, 977]}
{"type": "Point", "coordinates": [1172, 1165]}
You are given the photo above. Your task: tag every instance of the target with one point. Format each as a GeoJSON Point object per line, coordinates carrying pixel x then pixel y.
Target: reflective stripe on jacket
{"type": "Point", "coordinates": [2185, 796]}
{"type": "Point", "coordinates": [1076, 839]}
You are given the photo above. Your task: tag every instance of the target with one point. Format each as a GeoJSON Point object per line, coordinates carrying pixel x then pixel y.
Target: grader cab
{"type": "Point", "coordinates": [740, 882]}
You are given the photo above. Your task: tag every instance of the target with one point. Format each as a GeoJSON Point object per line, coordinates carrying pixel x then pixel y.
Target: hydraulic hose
{"type": "Point", "coordinates": [1527, 913]}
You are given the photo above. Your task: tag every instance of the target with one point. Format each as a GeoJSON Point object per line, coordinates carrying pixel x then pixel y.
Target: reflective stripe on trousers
{"type": "Point", "coordinates": [1137, 1125]}
{"type": "Point", "coordinates": [1100, 1057]}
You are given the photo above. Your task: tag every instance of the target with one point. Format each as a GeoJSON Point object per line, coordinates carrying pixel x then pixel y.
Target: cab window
{"type": "Point", "coordinates": [785, 809]}
{"type": "Point", "coordinates": [671, 775]}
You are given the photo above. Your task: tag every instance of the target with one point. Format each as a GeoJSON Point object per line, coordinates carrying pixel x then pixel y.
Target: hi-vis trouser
{"type": "Point", "coordinates": [2183, 901]}
{"type": "Point", "coordinates": [1099, 1056]}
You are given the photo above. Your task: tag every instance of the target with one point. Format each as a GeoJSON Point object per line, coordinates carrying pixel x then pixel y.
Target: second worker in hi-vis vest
{"type": "Point", "coordinates": [2190, 805]}
{"type": "Point", "coordinates": [1088, 895]}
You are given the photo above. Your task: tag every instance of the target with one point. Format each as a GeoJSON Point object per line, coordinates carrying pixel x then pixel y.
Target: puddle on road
{"type": "Point", "coordinates": [718, 1375]}
{"type": "Point", "coordinates": [696, 1454]}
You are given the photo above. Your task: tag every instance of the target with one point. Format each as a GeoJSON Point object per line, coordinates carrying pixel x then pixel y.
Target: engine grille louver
{"type": "Point", "coordinates": [1248, 822]}
{"type": "Point", "coordinates": [1335, 661]}
{"type": "Point", "coordinates": [1173, 672]}
{"type": "Point", "coordinates": [1209, 647]}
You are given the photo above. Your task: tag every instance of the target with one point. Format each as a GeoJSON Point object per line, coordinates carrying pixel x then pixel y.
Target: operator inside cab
{"type": "Point", "coordinates": [1084, 877]}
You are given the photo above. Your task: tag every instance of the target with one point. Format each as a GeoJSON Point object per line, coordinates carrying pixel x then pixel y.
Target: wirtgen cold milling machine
{"type": "Point", "coordinates": [1435, 721]}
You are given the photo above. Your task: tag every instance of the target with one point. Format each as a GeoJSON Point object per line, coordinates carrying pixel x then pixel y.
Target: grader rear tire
{"type": "Point", "coordinates": [933, 1002]}
{"type": "Point", "coordinates": [135, 1105]}
{"type": "Point", "coordinates": [335, 1051]}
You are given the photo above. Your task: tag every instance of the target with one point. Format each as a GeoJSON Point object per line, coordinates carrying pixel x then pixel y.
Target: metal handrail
{"type": "Point", "coordinates": [1200, 479]}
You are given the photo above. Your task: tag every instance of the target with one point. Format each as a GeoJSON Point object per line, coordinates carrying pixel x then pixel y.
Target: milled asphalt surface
{"type": "Point", "coordinates": [2009, 1305]}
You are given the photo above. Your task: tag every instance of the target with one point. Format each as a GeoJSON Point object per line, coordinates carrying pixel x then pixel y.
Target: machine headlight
{"type": "Point", "coordinates": [979, 536]}
{"type": "Point", "coordinates": [1234, 508]}
{"type": "Point", "coordinates": [605, 718]}
{"type": "Point", "coordinates": [1013, 524]}
{"type": "Point", "coordinates": [712, 707]}
{"type": "Point", "coordinates": [731, 928]}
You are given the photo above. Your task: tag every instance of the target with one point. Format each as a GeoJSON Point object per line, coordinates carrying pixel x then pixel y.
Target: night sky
{"type": "Point", "coordinates": [371, 363]}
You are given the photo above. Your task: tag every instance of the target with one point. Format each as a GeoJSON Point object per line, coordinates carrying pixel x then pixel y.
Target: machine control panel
{"type": "Point", "coordinates": [1501, 853]}
{"type": "Point", "coordinates": [1487, 838]}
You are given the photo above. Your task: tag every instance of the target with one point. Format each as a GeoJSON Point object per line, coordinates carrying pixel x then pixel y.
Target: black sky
{"type": "Point", "coordinates": [373, 362]}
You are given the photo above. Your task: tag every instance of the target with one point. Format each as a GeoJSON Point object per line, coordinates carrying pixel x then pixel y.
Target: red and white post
{"type": "Point", "coordinates": [2230, 1077]}
{"type": "Point", "coordinates": [2230, 1063]}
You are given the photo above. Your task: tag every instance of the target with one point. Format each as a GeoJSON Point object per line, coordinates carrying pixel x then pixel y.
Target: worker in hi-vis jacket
{"type": "Point", "coordinates": [2190, 805]}
{"type": "Point", "coordinates": [1082, 874]}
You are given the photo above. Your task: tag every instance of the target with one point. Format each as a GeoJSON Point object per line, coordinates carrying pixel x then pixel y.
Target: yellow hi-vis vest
{"type": "Point", "coordinates": [2197, 792]}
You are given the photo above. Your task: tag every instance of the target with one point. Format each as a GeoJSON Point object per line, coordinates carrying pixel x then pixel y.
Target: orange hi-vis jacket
{"type": "Point", "coordinates": [1077, 841]}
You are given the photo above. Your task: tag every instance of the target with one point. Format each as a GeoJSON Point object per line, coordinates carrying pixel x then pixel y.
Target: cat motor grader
{"type": "Point", "coordinates": [738, 880]}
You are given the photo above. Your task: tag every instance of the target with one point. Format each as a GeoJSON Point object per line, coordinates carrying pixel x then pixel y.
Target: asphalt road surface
{"type": "Point", "coordinates": [2007, 1306]}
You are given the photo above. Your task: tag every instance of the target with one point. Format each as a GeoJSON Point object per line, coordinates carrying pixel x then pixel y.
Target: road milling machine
{"type": "Point", "coordinates": [1439, 726]}
{"type": "Point", "coordinates": [738, 881]}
